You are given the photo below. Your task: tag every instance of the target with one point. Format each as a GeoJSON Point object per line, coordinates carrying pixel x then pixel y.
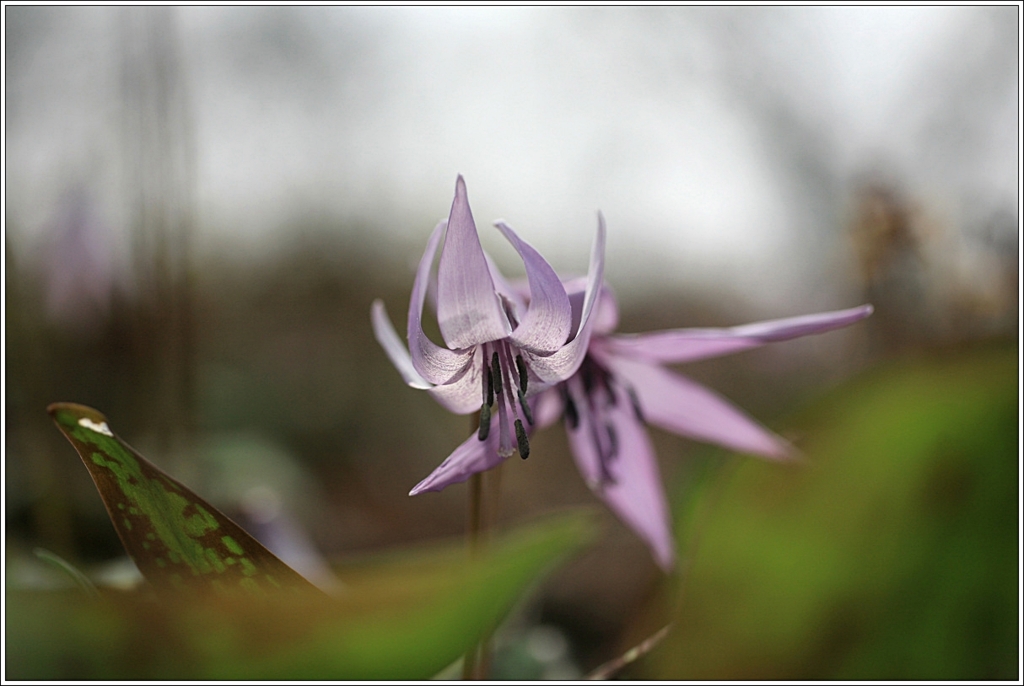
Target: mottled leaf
{"type": "Point", "coordinates": [176, 538]}
{"type": "Point", "coordinates": [404, 616]}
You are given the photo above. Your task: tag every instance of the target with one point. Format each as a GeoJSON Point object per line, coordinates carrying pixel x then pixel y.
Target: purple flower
{"type": "Point", "coordinates": [622, 385]}
{"type": "Point", "coordinates": [503, 344]}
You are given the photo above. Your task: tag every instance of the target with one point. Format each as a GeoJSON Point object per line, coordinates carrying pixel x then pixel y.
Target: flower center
{"type": "Point", "coordinates": [505, 380]}
{"type": "Point", "coordinates": [589, 398]}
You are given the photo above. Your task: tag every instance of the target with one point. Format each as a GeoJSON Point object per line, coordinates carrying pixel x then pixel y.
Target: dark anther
{"type": "Point", "coordinates": [613, 441]}
{"type": "Point", "coordinates": [526, 408]}
{"type": "Point", "coordinates": [522, 440]}
{"type": "Point", "coordinates": [523, 376]}
{"type": "Point", "coordinates": [571, 415]}
{"type": "Point", "coordinates": [606, 456]}
{"type": "Point", "coordinates": [612, 397]}
{"type": "Point", "coordinates": [587, 374]}
{"type": "Point", "coordinates": [636, 405]}
{"type": "Point", "coordinates": [490, 387]}
{"type": "Point", "coordinates": [496, 373]}
{"type": "Point", "coordinates": [485, 422]}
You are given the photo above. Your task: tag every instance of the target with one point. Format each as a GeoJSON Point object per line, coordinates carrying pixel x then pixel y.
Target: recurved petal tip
{"type": "Point", "coordinates": [393, 347]}
{"type": "Point", "coordinates": [687, 345]}
{"type": "Point", "coordinates": [432, 362]}
{"type": "Point", "coordinates": [469, 458]}
{"type": "Point", "coordinates": [563, 363]}
{"type": "Point", "coordinates": [546, 325]}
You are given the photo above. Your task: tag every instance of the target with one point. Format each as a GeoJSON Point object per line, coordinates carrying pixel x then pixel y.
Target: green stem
{"type": "Point", "coordinates": [476, 507]}
{"type": "Point", "coordinates": [470, 665]}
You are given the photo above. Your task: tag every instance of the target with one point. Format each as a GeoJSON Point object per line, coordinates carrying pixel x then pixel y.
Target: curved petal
{"type": "Point", "coordinates": [687, 345]}
{"type": "Point", "coordinates": [464, 394]}
{"type": "Point", "coordinates": [563, 363]}
{"type": "Point", "coordinates": [469, 458]}
{"type": "Point", "coordinates": [636, 494]}
{"type": "Point", "coordinates": [435, 364]}
{"type": "Point", "coordinates": [606, 317]}
{"type": "Point", "coordinates": [393, 346]}
{"type": "Point", "coordinates": [547, 408]}
{"type": "Point", "coordinates": [468, 310]}
{"type": "Point", "coordinates": [522, 288]}
{"type": "Point", "coordinates": [513, 292]}
{"type": "Point", "coordinates": [681, 406]}
{"type": "Point", "coordinates": [545, 327]}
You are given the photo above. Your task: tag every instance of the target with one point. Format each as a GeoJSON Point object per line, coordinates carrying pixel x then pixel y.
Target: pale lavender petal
{"type": "Point", "coordinates": [469, 458]}
{"type": "Point", "coordinates": [547, 408]}
{"type": "Point", "coordinates": [563, 363]}
{"type": "Point", "coordinates": [393, 346]}
{"type": "Point", "coordinates": [435, 364]}
{"type": "Point", "coordinates": [512, 291]}
{"type": "Point", "coordinates": [606, 316]}
{"type": "Point", "coordinates": [687, 345]}
{"type": "Point", "coordinates": [585, 451]}
{"type": "Point", "coordinates": [463, 394]}
{"type": "Point", "coordinates": [636, 495]}
{"type": "Point", "coordinates": [468, 309]}
{"type": "Point", "coordinates": [522, 288]}
{"type": "Point", "coordinates": [681, 406]}
{"type": "Point", "coordinates": [545, 327]}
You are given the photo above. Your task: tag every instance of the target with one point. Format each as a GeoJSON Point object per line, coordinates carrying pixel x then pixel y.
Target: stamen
{"type": "Point", "coordinates": [496, 372]}
{"type": "Point", "coordinates": [526, 408]}
{"type": "Point", "coordinates": [485, 422]}
{"type": "Point", "coordinates": [597, 437]}
{"type": "Point", "coordinates": [571, 415]}
{"type": "Point", "coordinates": [490, 387]}
{"type": "Point", "coordinates": [522, 440]}
{"type": "Point", "coordinates": [587, 374]}
{"type": "Point", "coordinates": [636, 405]}
{"type": "Point", "coordinates": [613, 399]}
{"type": "Point", "coordinates": [613, 440]}
{"type": "Point", "coordinates": [606, 453]}
{"type": "Point", "coordinates": [523, 376]}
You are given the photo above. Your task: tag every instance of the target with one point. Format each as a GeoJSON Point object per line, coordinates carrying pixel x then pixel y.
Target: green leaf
{"type": "Point", "coordinates": [403, 615]}
{"type": "Point", "coordinates": [890, 552]}
{"type": "Point", "coordinates": [176, 538]}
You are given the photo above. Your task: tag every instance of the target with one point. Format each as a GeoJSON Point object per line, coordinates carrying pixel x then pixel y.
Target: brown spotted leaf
{"type": "Point", "coordinates": [176, 538]}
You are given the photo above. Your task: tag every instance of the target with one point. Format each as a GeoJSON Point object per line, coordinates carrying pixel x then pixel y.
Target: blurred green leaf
{"type": "Point", "coordinates": [889, 552]}
{"type": "Point", "coordinates": [404, 615]}
{"type": "Point", "coordinates": [176, 538]}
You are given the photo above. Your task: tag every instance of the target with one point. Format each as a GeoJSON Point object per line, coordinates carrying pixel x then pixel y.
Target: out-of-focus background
{"type": "Point", "coordinates": [201, 204]}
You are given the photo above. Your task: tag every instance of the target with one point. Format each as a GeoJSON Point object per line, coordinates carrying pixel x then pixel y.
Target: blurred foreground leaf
{"type": "Point", "coordinates": [891, 552]}
{"type": "Point", "coordinates": [403, 616]}
{"type": "Point", "coordinates": [175, 538]}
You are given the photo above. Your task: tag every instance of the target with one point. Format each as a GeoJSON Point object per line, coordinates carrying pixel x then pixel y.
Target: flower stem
{"type": "Point", "coordinates": [482, 513]}
{"type": "Point", "coordinates": [476, 524]}
{"type": "Point", "coordinates": [470, 664]}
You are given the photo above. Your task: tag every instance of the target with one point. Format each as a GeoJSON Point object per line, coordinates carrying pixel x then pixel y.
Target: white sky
{"type": "Point", "coordinates": [550, 114]}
